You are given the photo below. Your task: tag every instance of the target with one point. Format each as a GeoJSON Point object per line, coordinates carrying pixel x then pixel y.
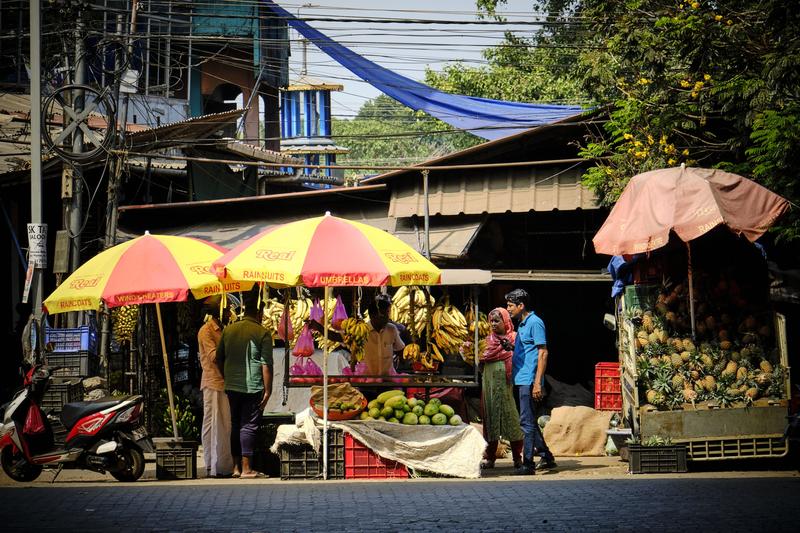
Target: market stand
{"type": "Point", "coordinates": [326, 252]}
{"type": "Point", "coordinates": [472, 278]}
{"type": "Point", "coordinates": [703, 355]}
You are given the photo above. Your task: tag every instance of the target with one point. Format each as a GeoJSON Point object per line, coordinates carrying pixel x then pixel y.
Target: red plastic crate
{"type": "Point", "coordinates": [362, 463]}
{"type": "Point", "coordinates": [607, 390]}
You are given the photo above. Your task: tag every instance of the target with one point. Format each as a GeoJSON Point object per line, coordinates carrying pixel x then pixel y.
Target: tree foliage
{"type": "Point", "coordinates": [385, 132]}
{"type": "Point", "coordinates": [706, 83]}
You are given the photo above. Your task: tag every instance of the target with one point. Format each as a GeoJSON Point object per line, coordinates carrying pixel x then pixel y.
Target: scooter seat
{"type": "Point", "coordinates": [74, 411]}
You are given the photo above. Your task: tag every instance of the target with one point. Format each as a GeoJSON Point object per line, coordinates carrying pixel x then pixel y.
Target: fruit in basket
{"type": "Point", "coordinates": [387, 412]}
{"type": "Point", "coordinates": [446, 410]}
{"type": "Point", "coordinates": [374, 412]}
{"type": "Point", "coordinates": [439, 419]}
{"type": "Point", "coordinates": [410, 419]}
{"type": "Point", "coordinates": [424, 420]}
{"type": "Point", "coordinates": [455, 420]}
{"type": "Point", "coordinates": [393, 420]}
{"type": "Point", "coordinates": [384, 396]}
{"type": "Point", "coordinates": [418, 410]}
{"type": "Point", "coordinates": [365, 416]}
{"type": "Point", "coordinates": [430, 409]}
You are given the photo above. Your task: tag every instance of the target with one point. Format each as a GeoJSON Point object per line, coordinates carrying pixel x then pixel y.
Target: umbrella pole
{"type": "Point", "coordinates": [325, 388]}
{"type": "Point", "coordinates": [691, 286]}
{"type": "Point", "coordinates": [166, 372]}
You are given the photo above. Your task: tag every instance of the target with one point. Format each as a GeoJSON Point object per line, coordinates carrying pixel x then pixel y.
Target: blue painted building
{"type": "Point", "coordinates": [306, 127]}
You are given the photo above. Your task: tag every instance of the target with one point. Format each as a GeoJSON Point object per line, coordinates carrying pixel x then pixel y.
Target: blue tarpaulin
{"type": "Point", "coordinates": [486, 118]}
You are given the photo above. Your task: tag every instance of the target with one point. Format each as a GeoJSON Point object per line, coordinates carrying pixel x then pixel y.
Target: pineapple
{"type": "Point", "coordinates": [690, 395]}
{"type": "Point", "coordinates": [677, 360]}
{"type": "Point", "coordinates": [730, 369]}
{"type": "Point", "coordinates": [751, 394]}
{"type": "Point", "coordinates": [661, 335]}
{"type": "Point", "coordinates": [642, 338]}
{"type": "Point", "coordinates": [709, 383]}
{"type": "Point", "coordinates": [677, 382]}
{"type": "Point", "coordinates": [763, 379]}
{"type": "Point", "coordinates": [685, 356]}
{"type": "Point", "coordinates": [688, 345]}
{"type": "Point", "coordinates": [765, 366]}
{"type": "Point", "coordinates": [708, 363]}
{"type": "Point", "coordinates": [725, 345]}
{"type": "Point", "coordinates": [656, 398]}
{"type": "Point", "coordinates": [695, 374]}
{"type": "Point", "coordinates": [720, 367]}
{"type": "Point", "coordinates": [678, 344]}
{"type": "Point", "coordinates": [647, 322]}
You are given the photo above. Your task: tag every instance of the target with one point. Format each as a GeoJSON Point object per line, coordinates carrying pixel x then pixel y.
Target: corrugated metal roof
{"type": "Point", "coordinates": [185, 131]}
{"type": "Point", "coordinates": [514, 190]}
{"type": "Point", "coordinates": [307, 83]}
{"type": "Point", "coordinates": [316, 149]}
{"type": "Point", "coordinates": [256, 152]}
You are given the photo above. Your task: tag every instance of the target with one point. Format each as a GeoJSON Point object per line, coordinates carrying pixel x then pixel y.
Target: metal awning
{"type": "Point", "coordinates": [449, 239]}
{"type": "Point", "coordinates": [551, 275]}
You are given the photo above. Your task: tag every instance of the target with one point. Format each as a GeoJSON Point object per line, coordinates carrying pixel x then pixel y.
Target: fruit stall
{"type": "Point", "coordinates": [440, 336]}
{"type": "Point", "coordinates": [703, 356]}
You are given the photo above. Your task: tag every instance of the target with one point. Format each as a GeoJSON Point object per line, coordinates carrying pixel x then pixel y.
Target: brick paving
{"type": "Point", "coordinates": [650, 503]}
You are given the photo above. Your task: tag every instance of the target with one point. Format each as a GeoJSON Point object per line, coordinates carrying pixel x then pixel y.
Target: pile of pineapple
{"type": "Point", "coordinates": [731, 363]}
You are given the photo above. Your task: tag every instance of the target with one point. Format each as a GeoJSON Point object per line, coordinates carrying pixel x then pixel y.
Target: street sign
{"type": "Point", "coordinates": [28, 280]}
{"type": "Point", "coordinates": [37, 244]}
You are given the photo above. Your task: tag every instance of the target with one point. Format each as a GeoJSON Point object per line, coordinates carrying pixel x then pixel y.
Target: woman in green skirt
{"type": "Point", "coordinates": [500, 415]}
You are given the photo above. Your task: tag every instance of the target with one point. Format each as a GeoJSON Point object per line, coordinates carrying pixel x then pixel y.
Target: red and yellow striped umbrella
{"type": "Point", "coordinates": [327, 251]}
{"type": "Point", "coordinates": [147, 269]}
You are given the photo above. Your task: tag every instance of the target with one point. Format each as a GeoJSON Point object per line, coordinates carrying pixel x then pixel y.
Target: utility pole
{"type": "Point", "coordinates": [113, 184]}
{"type": "Point", "coordinates": [36, 142]}
{"type": "Point", "coordinates": [76, 205]}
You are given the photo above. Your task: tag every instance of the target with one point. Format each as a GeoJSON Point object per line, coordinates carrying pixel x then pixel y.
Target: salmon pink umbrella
{"type": "Point", "coordinates": [147, 269]}
{"type": "Point", "coordinates": [690, 202]}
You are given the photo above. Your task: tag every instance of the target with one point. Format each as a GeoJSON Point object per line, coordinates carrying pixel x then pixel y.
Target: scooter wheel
{"type": "Point", "coordinates": [131, 464]}
{"type": "Point", "coordinates": [17, 467]}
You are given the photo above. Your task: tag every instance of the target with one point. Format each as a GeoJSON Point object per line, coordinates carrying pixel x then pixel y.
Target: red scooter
{"type": "Point", "coordinates": [105, 435]}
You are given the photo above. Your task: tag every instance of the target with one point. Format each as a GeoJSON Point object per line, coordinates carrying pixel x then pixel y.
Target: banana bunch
{"type": "Point", "coordinates": [468, 353]}
{"type": "Point", "coordinates": [449, 328]}
{"type": "Point", "coordinates": [401, 309]}
{"type": "Point", "coordinates": [299, 310]}
{"type": "Point", "coordinates": [124, 322]}
{"type": "Point", "coordinates": [466, 350]}
{"type": "Point", "coordinates": [483, 324]}
{"type": "Point", "coordinates": [354, 335]}
{"type": "Point", "coordinates": [321, 341]}
{"type": "Point", "coordinates": [428, 360]}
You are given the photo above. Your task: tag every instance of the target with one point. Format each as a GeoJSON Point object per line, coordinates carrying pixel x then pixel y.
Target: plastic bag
{"type": "Point", "coordinates": [316, 313]}
{"type": "Point", "coordinates": [313, 371]}
{"type": "Point", "coordinates": [305, 344]}
{"type": "Point", "coordinates": [33, 421]}
{"type": "Point", "coordinates": [339, 313]}
{"type": "Point", "coordinates": [297, 371]}
{"type": "Point", "coordinates": [285, 333]}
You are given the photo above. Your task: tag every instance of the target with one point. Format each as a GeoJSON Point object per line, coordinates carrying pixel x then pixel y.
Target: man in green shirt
{"type": "Point", "coordinates": [244, 356]}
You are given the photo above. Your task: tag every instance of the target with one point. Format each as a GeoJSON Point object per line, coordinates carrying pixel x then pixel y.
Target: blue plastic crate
{"type": "Point", "coordinates": [81, 339]}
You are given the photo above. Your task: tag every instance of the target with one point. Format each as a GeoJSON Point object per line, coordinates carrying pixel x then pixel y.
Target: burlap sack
{"type": "Point", "coordinates": [577, 431]}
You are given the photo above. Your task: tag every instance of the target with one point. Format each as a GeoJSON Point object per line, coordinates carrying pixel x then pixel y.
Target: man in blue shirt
{"type": "Point", "coordinates": [528, 366]}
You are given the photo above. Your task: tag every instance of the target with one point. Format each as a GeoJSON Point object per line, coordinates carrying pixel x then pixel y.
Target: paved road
{"type": "Point", "coordinates": [674, 504]}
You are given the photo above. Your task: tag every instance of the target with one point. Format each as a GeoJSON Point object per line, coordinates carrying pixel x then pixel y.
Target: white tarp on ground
{"type": "Point", "coordinates": [447, 450]}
